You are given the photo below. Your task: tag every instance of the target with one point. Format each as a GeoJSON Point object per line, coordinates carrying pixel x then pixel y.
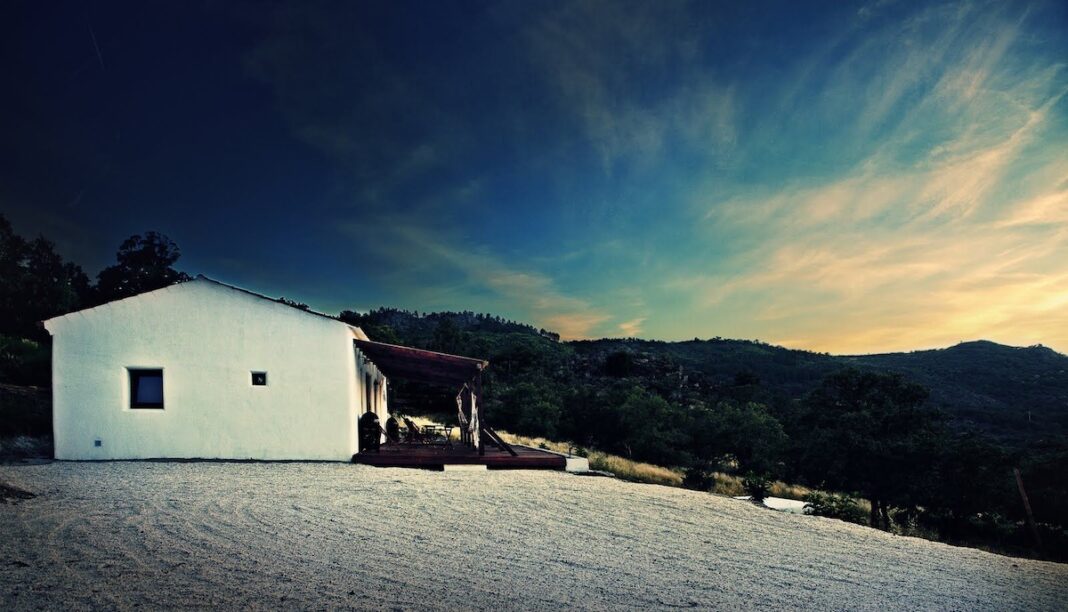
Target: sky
{"type": "Point", "coordinates": [839, 177]}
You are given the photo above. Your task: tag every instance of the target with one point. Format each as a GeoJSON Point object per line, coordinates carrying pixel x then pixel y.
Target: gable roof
{"type": "Point", "coordinates": [357, 332]}
{"type": "Point", "coordinates": [278, 301]}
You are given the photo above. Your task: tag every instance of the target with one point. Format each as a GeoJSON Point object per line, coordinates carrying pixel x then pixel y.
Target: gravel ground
{"type": "Point", "coordinates": [305, 535]}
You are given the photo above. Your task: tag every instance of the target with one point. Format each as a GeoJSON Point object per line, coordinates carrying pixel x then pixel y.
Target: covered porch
{"type": "Point", "coordinates": [477, 443]}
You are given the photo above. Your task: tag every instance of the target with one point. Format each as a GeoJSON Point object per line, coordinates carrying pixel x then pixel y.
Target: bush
{"type": "Point", "coordinates": [25, 362]}
{"type": "Point", "coordinates": [25, 411]}
{"type": "Point", "coordinates": [698, 479]}
{"type": "Point", "coordinates": [835, 506]}
{"type": "Point", "coordinates": [757, 487]}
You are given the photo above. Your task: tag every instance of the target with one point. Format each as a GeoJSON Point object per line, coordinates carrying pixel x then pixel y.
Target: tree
{"type": "Point", "coordinates": [145, 263]}
{"type": "Point", "coordinates": [870, 433]}
{"type": "Point", "coordinates": [619, 364]}
{"type": "Point", "coordinates": [1044, 474]}
{"type": "Point", "coordinates": [745, 432]}
{"type": "Point", "coordinates": [652, 428]}
{"type": "Point", "coordinates": [531, 408]}
{"type": "Point", "coordinates": [447, 336]}
{"type": "Point", "coordinates": [969, 475]}
{"type": "Point", "coordinates": [35, 284]}
{"type": "Point", "coordinates": [382, 333]}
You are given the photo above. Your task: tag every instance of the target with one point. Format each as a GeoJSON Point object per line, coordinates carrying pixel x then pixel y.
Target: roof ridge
{"type": "Point", "coordinates": [201, 277]}
{"type": "Point", "coordinates": [271, 299]}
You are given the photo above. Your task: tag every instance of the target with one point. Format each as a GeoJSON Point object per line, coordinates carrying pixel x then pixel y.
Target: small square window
{"type": "Point", "coordinates": [146, 388]}
{"type": "Point", "coordinates": [259, 379]}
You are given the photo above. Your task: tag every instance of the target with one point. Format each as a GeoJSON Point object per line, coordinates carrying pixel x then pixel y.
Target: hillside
{"type": "Point", "coordinates": [126, 535]}
{"type": "Point", "coordinates": [1016, 395]}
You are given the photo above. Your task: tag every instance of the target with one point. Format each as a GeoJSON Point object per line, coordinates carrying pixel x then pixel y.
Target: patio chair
{"type": "Point", "coordinates": [465, 432]}
{"type": "Point", "coordinates": [415, 433]}
{"type": "Point", "coordinates": [391, 431]}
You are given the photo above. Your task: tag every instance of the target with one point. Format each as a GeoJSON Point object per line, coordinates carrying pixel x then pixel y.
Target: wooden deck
{"type": "Point", "coordinates": [437, 456]}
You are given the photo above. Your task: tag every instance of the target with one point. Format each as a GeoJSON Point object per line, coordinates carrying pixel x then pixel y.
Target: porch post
{"type": "Point", "coordinates": [467, 415]}
{"type": "Point", "coordinates": [481, 414]}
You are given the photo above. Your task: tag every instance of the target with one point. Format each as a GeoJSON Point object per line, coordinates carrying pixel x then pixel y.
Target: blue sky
{"type": "Point", "coordinates": [831, 176]}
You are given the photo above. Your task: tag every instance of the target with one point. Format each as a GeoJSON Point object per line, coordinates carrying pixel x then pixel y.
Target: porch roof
{"type": "Point", "coordinates": [418, 364]}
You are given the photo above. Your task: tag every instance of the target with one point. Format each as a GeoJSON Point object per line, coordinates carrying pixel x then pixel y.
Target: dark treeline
{"type": "Point", "coordinates": [854, 426]}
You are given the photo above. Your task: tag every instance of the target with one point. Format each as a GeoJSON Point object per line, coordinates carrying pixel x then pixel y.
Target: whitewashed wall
{"type": "Point", "coordinates": [207, 338]}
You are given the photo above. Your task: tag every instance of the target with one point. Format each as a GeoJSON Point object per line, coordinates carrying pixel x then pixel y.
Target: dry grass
{"type": "Point", "coordinates": [864, 505]}
{"type": "Point", "coordinates": [732, 486]}
{"type": "Point", "coordinates": [726, 484]}
{"type": "Point", "coordinates": [559, 447]}
{"type": "Point", "coordinates": [637, 471]}
{"type": "Point", "coordinates": [789, 491]}
{"type": "Point", "coordinates": [621, 467]}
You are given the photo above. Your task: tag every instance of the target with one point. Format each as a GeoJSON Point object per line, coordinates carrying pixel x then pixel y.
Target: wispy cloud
{"type": "Point", "coordinates": [476, 276]}
{"type": "Point", "coordinates": [894, 178]}
{"type": "Point", "coordinates": [1043, 210]}
{"type": "Point", "coordinates": [631, 328]}
{"type": "Point", "coordinates": [596, 55]}
{"type": "Point", "coordinates": [951, 227]}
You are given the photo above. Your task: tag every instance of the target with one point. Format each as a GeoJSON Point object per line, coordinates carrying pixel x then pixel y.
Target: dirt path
{"type": "Point", "coordinates": [166, 535]}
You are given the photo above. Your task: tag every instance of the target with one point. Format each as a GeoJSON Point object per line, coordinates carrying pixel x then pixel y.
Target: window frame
{"type": "Point", "coordinates": [134, 376]}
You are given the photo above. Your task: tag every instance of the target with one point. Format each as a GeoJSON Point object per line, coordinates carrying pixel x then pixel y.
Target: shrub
{"type": "Point", "coordinates": [25, 411]}
{"type": "Point", "coordinates": [698, 479]}
{"type": "Point", "coordinates": [757, 487]}
{"type": "Point", "coordinates": [835, 506]}
{"type": "Point", "coordinates": [25, 362]}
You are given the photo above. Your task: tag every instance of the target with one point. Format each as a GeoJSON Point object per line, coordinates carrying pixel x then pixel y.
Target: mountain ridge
{"type": "Point", "coordinates": [1018, 395]}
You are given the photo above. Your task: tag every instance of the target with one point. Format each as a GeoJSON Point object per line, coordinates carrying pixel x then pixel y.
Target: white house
{"type": "Point", "coordinates": [206, 370]}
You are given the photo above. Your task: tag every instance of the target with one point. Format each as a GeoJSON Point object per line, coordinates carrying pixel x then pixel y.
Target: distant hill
{"type": "Point", "coordinates": [1017, 395]}
{"type": "Point", "coordinates": [1013, 394]}
{"type": "Point", "coordinates": [1010, 392]}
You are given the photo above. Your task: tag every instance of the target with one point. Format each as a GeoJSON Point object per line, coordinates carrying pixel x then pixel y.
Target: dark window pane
{"type": "Point", "coordinates": [146, 388]}
{"type": "Point", "coordinates": [259, 378]}
{"type": "Point", "coordinates": [150, 389]}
